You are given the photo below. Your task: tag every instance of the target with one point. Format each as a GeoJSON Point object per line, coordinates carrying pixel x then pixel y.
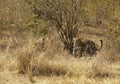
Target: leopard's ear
{"type": "Point", "coordinates": [101, 46]}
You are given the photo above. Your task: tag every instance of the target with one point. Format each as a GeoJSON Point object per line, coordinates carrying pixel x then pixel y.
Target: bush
{"type": "Point", "coordinates": [38, 27]}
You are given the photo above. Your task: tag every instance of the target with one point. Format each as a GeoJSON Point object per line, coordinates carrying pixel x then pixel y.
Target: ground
{"type": "Point", "coordinates": [54, 65]}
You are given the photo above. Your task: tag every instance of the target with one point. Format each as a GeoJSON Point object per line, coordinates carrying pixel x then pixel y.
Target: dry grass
{"type": "Point", "coordinates": [28, 65]}
{"type": "Point", "coordinates": [41, 61]}
{"type": "Point", "coordinates": [47, 63]}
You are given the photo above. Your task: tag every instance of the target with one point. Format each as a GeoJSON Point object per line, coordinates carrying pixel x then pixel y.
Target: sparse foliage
{"type": "Point", "coordinates": [38, 58]}
{"type": "Point", "coordinates": [65, 15]}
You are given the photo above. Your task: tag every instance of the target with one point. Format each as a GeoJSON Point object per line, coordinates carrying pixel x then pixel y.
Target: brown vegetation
{"type": "Point", "coordinates": [34, 35]}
